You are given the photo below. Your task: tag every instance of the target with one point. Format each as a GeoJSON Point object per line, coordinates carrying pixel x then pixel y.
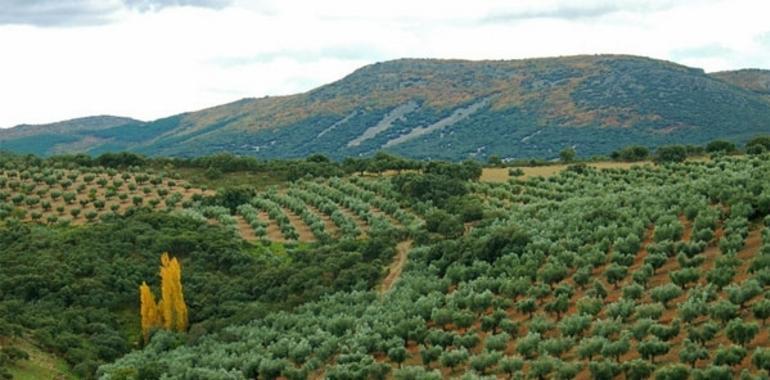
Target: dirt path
{"type": "Point", "coordinates": [687, 233]}
{"type": "Point", "coordinates": [273, 232]}
{"type": "Point", "coordinates": [394, 272]}
{"type": "Point", "coordinates": [302, 229]}
{"type": "Point", "coordinates": [748, 252]}
{"type": "Point", "coordinates": [247, 233]}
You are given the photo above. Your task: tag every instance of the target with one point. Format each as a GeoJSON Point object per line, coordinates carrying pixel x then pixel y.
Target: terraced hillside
{"type": "Point", "coordinates": [301, 212]}
{"type": "Point", "coordinates": [650, 271]}
{"type": "Point", "coordinates": [452, 109]}
{"type": "Point", "coordinates": [314, 211]}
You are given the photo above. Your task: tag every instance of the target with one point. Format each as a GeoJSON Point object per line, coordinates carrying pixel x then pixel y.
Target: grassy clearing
{"type": "Point", "coordinates": [501, 174]}
{"type": "Point", "coordinates": [41, 365]}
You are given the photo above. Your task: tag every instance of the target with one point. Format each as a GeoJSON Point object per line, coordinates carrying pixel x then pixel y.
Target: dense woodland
{"type": "Point", "coordinates": [657, 271]}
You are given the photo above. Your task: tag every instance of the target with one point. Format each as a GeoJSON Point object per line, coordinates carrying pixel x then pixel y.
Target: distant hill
{"type": "Point", "coordinates": [455, 109]}
{"type": "Point", "coordinates": [65, 136]}
{"type": "Point", "coordinates": [754, 80]}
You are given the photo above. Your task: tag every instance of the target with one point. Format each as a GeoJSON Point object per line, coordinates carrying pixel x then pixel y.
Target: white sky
{"type": "Point", "coordinates": [147, 59]}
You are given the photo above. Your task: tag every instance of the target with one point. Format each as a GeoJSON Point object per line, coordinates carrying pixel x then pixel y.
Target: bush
{"type": "Point", "coordinates": [759, 141]}
{"type": "Point", "coordinates": [631, 154]}
{"type": "Point", "coordinates": [567, 154]}
{"type": "Point", "coordinates": [671, 153]}
{"type": "Point", "coordinates": [720, 146]}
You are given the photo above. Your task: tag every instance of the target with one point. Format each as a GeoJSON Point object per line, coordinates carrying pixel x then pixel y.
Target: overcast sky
{"type": "Point", "coordinates": [147, 59]}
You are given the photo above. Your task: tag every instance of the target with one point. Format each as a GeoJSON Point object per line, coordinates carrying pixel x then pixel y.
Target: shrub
{"type": "Point", "coordinates": [631, 154]}
{"type": "Point", "coordinates": [670, 153]}
{"type": "Point", "coordinates": [720, 146]}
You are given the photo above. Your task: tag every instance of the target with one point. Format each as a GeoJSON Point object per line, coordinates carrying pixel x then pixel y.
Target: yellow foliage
{"type": "Point", "coordinates": [174, 308]}
{"type": "Point", "coordinates": [149, 310]}
{"type": "Point", "coordinates": [171, 311]}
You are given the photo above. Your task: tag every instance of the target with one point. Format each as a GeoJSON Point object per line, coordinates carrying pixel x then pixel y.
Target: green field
{"type": "Point", "coordinates": [40, 365]}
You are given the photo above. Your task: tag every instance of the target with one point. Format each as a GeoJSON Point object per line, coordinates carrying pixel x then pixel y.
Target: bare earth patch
{"type": "Point", "coordinates": [396, 267]}
{"type": "Point", "coordinates": [302, 229]}
{"type": "Point", "coordinates": [273, 232]}
{"type": "Point", "coordinates": [247, 233]}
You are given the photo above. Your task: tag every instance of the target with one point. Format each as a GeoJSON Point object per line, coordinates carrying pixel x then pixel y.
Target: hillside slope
{"type": "Point", "coordinates": [64, 136]}
{"type": "Point", "coordinates": [454, 109]}
{"type": "Point", "coordinates": [754, 80]}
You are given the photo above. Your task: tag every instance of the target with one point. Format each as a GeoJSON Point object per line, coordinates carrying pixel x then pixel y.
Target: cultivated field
{"type": "Point", "coordinates": [77, 196]}
{"type": "Point", "coordinates": [615, 273]}
{"type": "Point", "coordinates": [305, 211]}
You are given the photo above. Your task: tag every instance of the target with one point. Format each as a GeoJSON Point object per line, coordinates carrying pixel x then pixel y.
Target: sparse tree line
{"type": "Point", "coordinates": [660, 154]}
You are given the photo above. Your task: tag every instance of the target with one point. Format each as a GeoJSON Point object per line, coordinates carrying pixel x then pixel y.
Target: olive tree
{"type": "Point", "coordinates": [638, 369]}
{"type": "Point", "coordinates": [649, 349]}
{"type": "Point", "coordinates": [730, 356]}
{"type": "Point", "coordinates": [740, 332]}
{"type": "Point", "coordinates": [691, 352]}
{"type": "Point", "coordinates": [665, 293]}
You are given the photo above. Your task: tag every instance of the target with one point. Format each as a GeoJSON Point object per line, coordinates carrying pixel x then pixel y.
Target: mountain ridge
{"type": "Point", "coordinates": [754, 80]}
{"type": "Point", "coordinates": [89, 122]}
{"type": "Point", "coordinates": [520, 109]}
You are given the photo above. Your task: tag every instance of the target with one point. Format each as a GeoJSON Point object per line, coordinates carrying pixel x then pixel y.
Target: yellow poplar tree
{"type": "Point", "coordinates": [173, 307]}
{"type": "Point", "coordinates": [171, 311]}
{"type": "Point", "coordinates": [149, 310]}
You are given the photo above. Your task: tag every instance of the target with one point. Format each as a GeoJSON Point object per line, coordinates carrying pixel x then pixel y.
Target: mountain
{"type": "Point", "coordinates": [60, 137]}
{"type": "Point", "coordinates": [754, 80]}
{"type": "Point", "coordinates": [456, 109]}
